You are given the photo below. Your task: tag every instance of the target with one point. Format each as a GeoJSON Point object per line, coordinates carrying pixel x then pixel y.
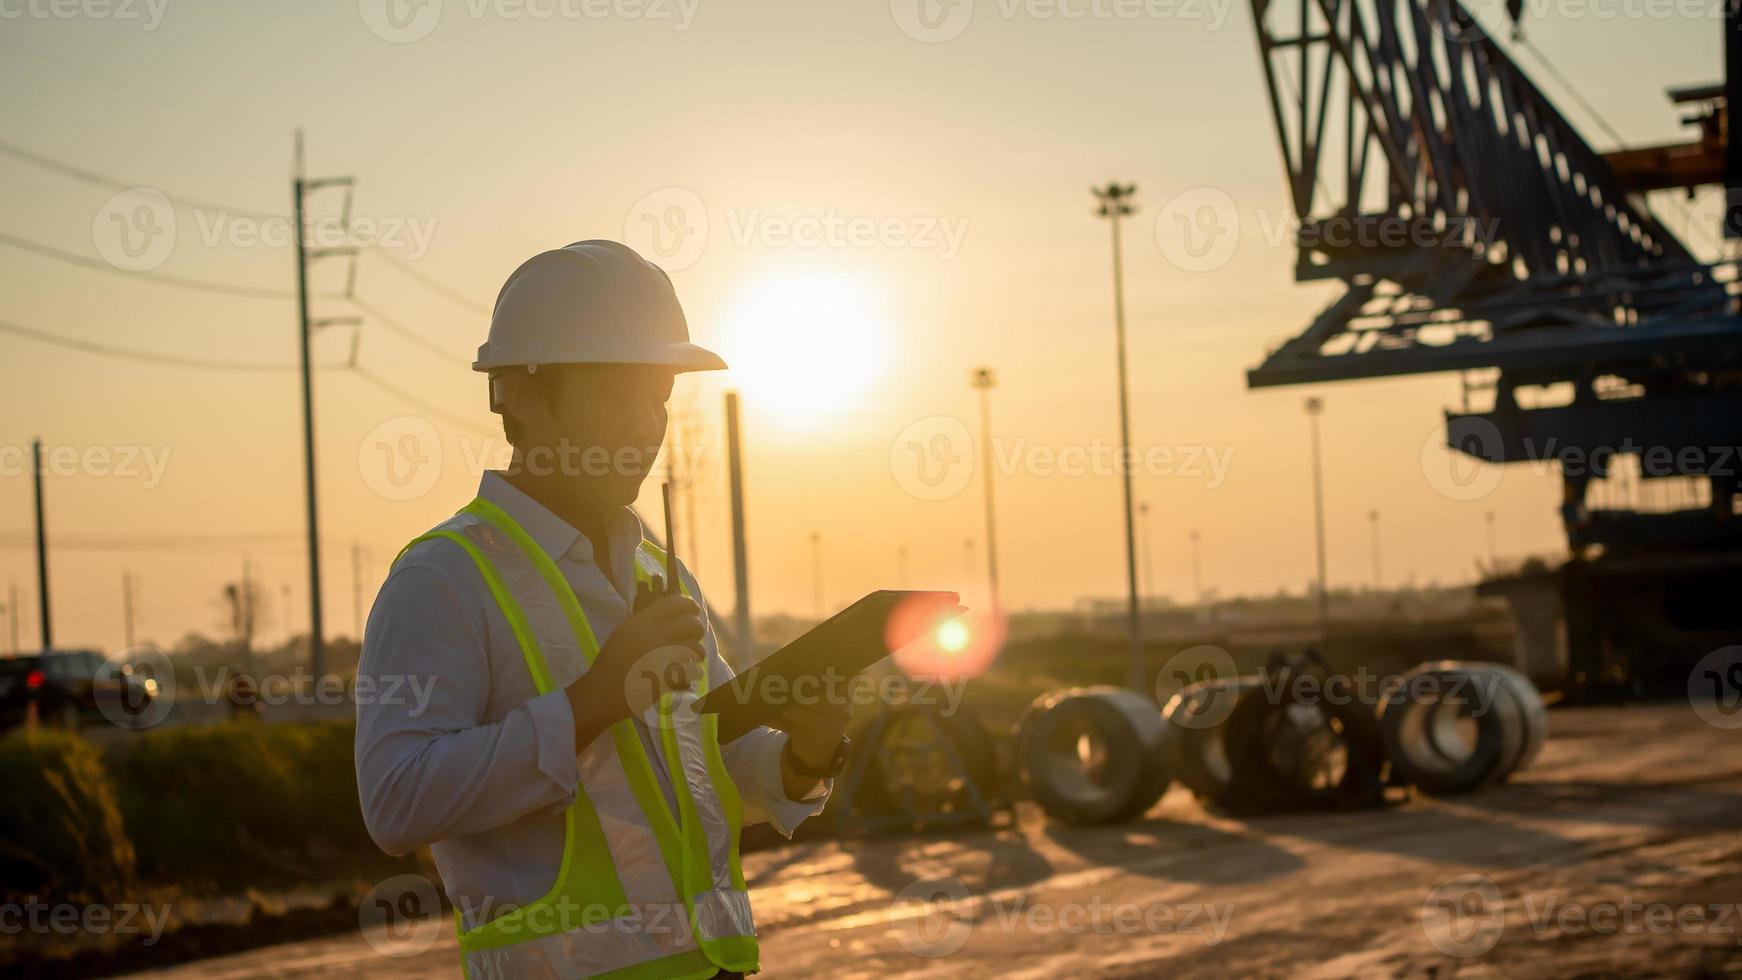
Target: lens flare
{"type": "Point", "coordinates": [953, 636]}
{"type": "Point", "coordinates": [931, 640]}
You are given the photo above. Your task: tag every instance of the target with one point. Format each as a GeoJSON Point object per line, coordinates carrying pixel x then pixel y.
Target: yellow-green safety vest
{"type": "Point", "coordinates": [638, 894]}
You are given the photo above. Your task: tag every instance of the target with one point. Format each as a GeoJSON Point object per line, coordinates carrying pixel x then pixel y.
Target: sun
{"type": "Point", "coordinates": [805, 344]}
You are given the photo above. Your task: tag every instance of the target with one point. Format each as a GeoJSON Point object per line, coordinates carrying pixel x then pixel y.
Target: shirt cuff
{"type": "Point", "coordinates": [785, 815]}
{"type": "Point", "coordinates": [553, 724]}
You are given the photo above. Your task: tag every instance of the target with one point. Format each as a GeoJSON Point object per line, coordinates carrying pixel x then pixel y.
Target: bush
{"type": "Point", "coordinates": [230, 804]}
{"type": "Point", "coordinates": [61, 831]}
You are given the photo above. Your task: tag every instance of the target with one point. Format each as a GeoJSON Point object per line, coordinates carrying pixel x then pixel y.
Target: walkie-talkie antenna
{"type": "Point", "coordinates": [670, 542]}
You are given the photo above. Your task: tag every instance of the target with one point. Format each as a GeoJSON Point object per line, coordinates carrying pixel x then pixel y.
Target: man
{"type": "Point", "coordinates": [583, 816]}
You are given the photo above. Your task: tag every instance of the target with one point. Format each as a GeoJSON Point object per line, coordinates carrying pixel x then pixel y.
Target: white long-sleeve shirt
{"type": "Point", "coordinates": [456, 749]}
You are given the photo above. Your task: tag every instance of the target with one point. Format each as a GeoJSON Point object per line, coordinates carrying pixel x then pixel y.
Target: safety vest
{"type": "Point", "coordinates": [638, 895]}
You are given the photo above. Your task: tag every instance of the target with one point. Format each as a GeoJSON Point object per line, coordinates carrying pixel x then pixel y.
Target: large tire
{"type": "Point", "coordinates": [1094, 755]}
{"type": "Point", "coordinates": [1532, 714]}
{"type": "Point", "coordinates": [1197, 727]}
{"type": "Point", "coordinates": [1440, 735]}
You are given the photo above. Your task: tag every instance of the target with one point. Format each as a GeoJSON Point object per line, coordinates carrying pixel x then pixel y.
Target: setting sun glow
{"type": "Point", "coordinates": [805, 344]}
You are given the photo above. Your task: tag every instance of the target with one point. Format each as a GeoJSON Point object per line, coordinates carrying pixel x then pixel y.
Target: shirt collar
{"type": "Point", "coordinates": [556, 536]}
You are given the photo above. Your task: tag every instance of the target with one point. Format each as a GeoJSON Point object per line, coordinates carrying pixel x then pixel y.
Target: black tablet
{"type": "Point", "coordinates": [845, 644]}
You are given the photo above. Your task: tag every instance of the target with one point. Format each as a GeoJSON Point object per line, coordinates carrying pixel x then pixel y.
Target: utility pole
{"type": "Point", "coordinates": [1373, 522]}
{"type": "Point", "coordinates": [1116, 203]}
{"type": "Point", "coordinates": [983, 381]}
{"type": "Point", "coordinates": [740, 561]}
{"type": "Point", "coordinates": [357, 590]}
{"type": "Point", "coordinates": [817, 574]}
{"type": "Point", "coordinates": [127, 606]}
{"type": "Point", "coordinates": [300, 188]}
{"type": "Point", "coordinates": [1197, 567]}
{"type": "Point", "coordinates": [1314, 407]}
{"type": "Point", "coordinates": [1148, 591]}
{"type": "Point", "coordinates": [42, 603]}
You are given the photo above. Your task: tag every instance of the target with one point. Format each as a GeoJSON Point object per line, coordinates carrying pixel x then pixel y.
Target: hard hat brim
{"type": "Point", "coordinates": [681, 357]}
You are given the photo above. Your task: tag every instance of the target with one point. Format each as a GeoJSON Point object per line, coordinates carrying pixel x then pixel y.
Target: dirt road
{"type": "Point", "coordinates": [1619, 853]}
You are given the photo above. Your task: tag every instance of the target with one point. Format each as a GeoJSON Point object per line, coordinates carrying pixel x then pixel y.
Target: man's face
{"type": "Point", "coordinates": [599, 424]}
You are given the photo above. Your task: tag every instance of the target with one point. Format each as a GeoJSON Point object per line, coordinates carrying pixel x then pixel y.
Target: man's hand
{"type": "Point", "coordinates": [657, 649]}
{"type": "Point", "coordinates": [814, 731]}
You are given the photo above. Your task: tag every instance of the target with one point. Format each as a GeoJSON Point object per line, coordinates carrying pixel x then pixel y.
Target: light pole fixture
{"type": "Point", "coordinates": [1115, 202]}
{"type": "Point", "coordinates": [983, 381]}
{"type": "Point", "coordinates": [1315, 406]}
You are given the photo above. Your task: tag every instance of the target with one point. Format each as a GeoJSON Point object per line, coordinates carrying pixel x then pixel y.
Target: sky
{"type": "Point", "coordinates": [860, 203]}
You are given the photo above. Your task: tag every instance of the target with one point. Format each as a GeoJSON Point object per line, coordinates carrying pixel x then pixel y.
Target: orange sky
{"type": "Point", "coordinates": [865, 218]}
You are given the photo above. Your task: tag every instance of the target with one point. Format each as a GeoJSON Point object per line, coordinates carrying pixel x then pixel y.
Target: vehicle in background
{"type": "Point", "coordinates": [66, 685]}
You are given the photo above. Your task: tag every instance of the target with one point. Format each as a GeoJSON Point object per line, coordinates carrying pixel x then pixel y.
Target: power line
{"type": "Point", "coordinates": [433, 284]}
{"type": "Point", "coordinates": [419, 404]}
{"type": "Point", "coordinates": [374, 313]}
{"type": "Point", "coordinates": [77, 172]}
{"type": "Point", "coordinates": [150, 357]}
{"type": "Point", "coordinates": [84, 261]}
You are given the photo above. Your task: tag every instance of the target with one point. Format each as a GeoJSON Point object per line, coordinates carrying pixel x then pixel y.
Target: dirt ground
{"type": "Point", "coordinates": [1618, 854]}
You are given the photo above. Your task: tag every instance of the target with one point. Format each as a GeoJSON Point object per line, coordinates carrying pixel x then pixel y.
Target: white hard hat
{"type": "Point", "coordinates": [593, 302]}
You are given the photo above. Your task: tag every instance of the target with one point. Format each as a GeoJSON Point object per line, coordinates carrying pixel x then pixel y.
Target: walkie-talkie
{"type": "Point", "coordinates": [657, 588]}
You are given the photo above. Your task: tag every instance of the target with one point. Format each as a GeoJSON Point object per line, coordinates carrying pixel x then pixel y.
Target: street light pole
{"type": "Point", "coordinates": [983, 382]}
{"type": "Point", "coordinates": [1314, 407]}
{"type": "Point", "coordinates": [1373, 520]}
{"type": "Point", "coordinates": [1115, 203]}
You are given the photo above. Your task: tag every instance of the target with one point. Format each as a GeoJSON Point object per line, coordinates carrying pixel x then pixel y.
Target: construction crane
{"type": "Point", "coordinates": [1475, 230]}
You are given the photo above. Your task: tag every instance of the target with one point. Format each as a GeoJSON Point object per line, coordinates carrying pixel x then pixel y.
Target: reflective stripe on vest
{"type": "Point", "coordinates": [614, 909]}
